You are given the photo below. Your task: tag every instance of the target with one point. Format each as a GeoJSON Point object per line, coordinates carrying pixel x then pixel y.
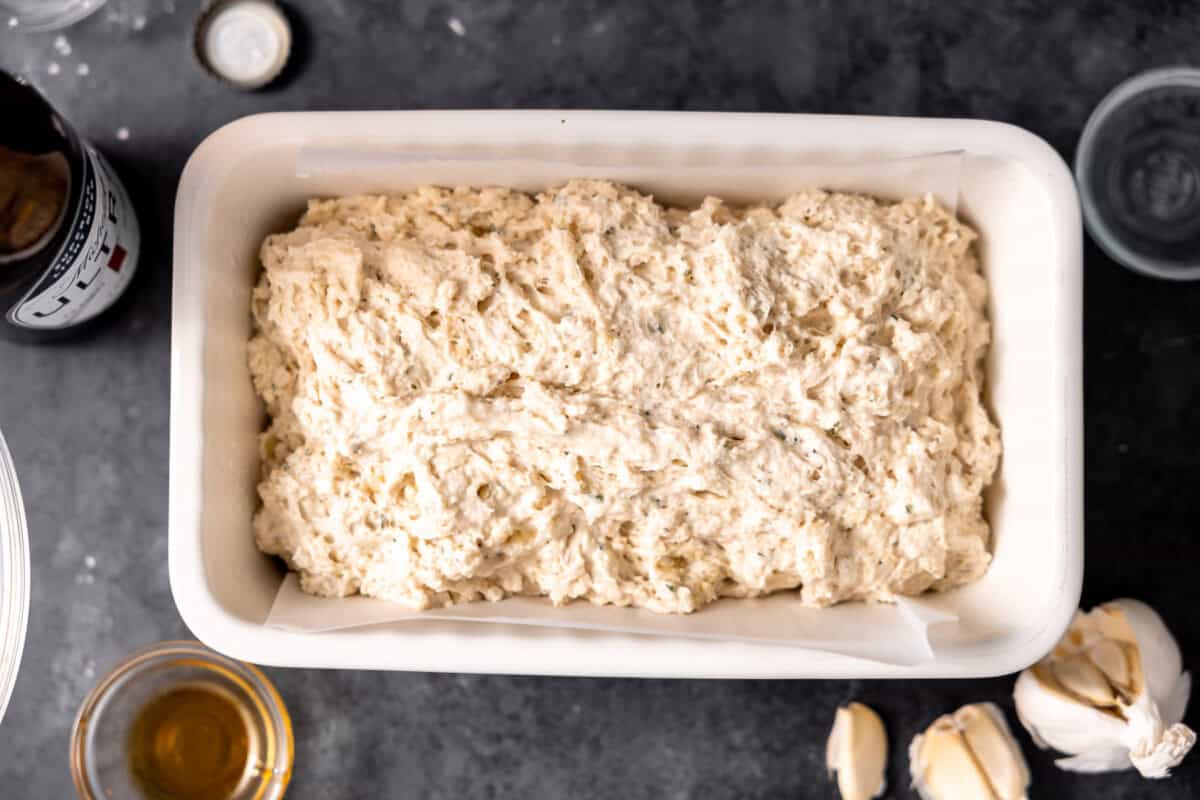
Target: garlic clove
{"type": "Point", "coordinates": [942, 766]}
{"type": "Point", "coordinates": [1159, 660]}
{"type": "Point", "coordinates": [966, 755]}
{"type": "Point", "coordinates": [857, 752]}
{"type": "Point", "coordinates": [988, 736]}
{"type": "Point", "coordinates": [1078, 675]}
{"type": "Point", "coordinates": [1111, 694]}
{"type": "Point", "coordinates": [1113, 659]}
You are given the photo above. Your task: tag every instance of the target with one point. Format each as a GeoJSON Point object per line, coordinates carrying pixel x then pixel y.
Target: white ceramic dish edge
{"type": "Point", "coordinates": [196, 568]}
{"type": "Point", "coordinates": [14, 576]}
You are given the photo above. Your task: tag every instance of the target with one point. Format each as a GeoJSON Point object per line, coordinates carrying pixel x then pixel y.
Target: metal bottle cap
{"type": "Point", "coordinates": [243, 42]}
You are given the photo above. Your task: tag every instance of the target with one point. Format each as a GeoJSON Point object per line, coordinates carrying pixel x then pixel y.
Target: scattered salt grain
{"type": "Point", "coordinates": [139, 22]}
{"type": "Point", "coordinates": [13, 22]}
{"type": "Point", "coordinates": [123, 133]}
{"type": "Point", "coordinates": [62, 46]}
{"type": "Point", "coordinates": [89, 562]}
{"type": "Point", "coordinates": [82, 69]}
{"type": "Point", "coordinates": [456, 26]}
{"type": "Point", "coordinates": [53, 68]}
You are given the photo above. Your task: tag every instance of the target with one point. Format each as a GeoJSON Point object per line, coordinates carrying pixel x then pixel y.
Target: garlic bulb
{"type": "Point", "coordinates": [1111, 693]}
{"type": "Point", "coordinates": [968, 755]}
{"type": "Point", "coordinates": [857, 752]}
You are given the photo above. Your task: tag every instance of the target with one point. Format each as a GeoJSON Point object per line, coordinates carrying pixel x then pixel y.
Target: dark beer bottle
{"type": "Point", "coordinates": [69, 239]}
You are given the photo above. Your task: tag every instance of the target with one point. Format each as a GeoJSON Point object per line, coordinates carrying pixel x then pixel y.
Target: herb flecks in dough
{"type": "Point", "coordinates": [583, 394]}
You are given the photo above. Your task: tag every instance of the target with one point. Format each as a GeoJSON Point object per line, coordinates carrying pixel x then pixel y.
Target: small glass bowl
{"type": "Point", "coordinates": [100, 761]}
{"type": "Point", "coordinates": [1138, 171]}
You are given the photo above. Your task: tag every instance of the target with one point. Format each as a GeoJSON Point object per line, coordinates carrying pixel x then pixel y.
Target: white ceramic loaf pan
{"type": "Point", "coordinates": [252, 178]}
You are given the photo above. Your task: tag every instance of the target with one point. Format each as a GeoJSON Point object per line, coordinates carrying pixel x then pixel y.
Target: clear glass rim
{"type": "Point", "coordinates": [1084, 153]}
{"type": "Point", "coordinates": [14, 576]}
{"type": "Point", "coordinates": [50, 21]}
{"type": "Point", "coordinates": [274, 713]}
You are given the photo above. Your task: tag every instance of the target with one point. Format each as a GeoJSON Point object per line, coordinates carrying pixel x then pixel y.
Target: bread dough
{"type": "Point", "coordinates": [475, 393]}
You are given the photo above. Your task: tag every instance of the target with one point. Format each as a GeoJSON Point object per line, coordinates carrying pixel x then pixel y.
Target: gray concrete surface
{"type": "Point", "coordinates": [87, 421]}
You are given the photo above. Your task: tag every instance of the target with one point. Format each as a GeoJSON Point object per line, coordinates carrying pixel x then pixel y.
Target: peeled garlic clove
{"type": "Point", "coordinates": [942, 765]}
{"type": "Point", "coordinates": [991, 741]}
{"type": "Point", "coordinates": [1113, 660]}
{"type": "Point", "coordinates": [968, 754]}
{"type": "Point", "coordinates": [1158, 660]}
{"type": "Point", "coordinates": [1111, 693]}
{"type": "Point", "coordinates": [857, 752]}
{"type": "Point", "coordinates": [1078, 675]}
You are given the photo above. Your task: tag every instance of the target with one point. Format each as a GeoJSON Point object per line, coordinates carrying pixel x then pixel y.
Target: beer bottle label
{"type": "Point", "coordinates": [96, 261]}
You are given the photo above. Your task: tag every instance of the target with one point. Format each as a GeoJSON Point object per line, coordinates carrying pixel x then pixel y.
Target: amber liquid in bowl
{"type": "Point", "coordinates": [177, 721]}
{"type": "Point", "coordinates": [193, 742]}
